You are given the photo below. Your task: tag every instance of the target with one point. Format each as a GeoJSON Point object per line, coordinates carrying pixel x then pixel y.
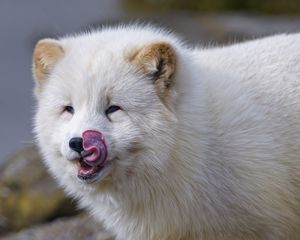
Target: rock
{"type": "Point", "coordinates": [80, 227]}
{"type": "Point", "coordinates": [28, 195]}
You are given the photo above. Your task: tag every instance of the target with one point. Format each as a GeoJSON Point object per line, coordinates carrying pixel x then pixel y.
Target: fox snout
{"type": "Point", "coordinates": [91, 146]}
{"type": "Point", "coordinates": [94, 146]}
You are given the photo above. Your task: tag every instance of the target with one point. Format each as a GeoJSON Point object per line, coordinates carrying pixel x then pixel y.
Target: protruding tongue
{"type": "Point", "coordinates": [95, 150]}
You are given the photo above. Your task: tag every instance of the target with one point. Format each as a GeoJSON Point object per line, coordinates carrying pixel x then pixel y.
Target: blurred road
{"type": "Point", "coordinates": [22, 23]}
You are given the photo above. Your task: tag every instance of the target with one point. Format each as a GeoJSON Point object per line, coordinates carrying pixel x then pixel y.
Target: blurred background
{"type": "Point", "coordinates": [28, 196]}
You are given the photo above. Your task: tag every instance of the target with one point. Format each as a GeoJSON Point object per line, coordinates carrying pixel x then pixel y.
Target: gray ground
{"type": "Point", "coordinates": [80, 227]}
{"type": "Point", "coordinates": [22, 23]}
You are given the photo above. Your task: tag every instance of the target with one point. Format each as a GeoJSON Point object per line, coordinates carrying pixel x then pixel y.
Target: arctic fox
{"type": "Point", "coordinates": [162, 141]}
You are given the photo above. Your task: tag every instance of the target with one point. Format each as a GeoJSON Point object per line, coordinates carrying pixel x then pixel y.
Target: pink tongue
{"type": "Point", "coordinates": [95, 147]}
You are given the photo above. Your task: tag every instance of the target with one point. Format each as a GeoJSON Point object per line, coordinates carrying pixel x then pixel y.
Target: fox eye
{"type": "Point", "coordinates": [69, 109]}
{"type": "Point", "coordinates": [112, 109]}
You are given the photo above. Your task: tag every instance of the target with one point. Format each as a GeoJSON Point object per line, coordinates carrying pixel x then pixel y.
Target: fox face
{"type": "Point", "coordinates": [105, 107]}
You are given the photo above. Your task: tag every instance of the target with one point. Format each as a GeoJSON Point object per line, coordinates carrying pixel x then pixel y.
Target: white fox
{"type": "Point", "coordinates": [162, 141]}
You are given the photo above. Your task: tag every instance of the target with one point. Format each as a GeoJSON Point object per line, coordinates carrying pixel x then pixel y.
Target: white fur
{"type": "Point", "coordinates": [225, 165]}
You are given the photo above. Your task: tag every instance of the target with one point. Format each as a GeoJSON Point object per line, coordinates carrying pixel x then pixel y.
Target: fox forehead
{"type": "Point", "coordinates": [93, 62]}
{"type": "Point", "coordinates": [100, 78]}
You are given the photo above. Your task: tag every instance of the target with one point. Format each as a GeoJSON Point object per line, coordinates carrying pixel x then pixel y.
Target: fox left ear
{"type": "Point", "coordinates": [47, 53]}
{"type": "Point", "coordinates": [158, 61]}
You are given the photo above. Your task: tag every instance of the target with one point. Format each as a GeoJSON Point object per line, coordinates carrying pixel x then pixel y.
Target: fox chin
{"type": "Point", "coordinates": [160, 140]}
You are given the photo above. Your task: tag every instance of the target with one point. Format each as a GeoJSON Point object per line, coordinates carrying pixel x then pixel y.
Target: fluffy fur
{"type": "Point", "coordinates": [206, 145]}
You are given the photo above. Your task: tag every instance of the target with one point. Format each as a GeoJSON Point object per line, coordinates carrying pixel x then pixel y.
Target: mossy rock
{"type": "Point", "coordinates": [28, 195]}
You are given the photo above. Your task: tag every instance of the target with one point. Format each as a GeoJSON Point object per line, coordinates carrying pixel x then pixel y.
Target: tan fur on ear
{"type": "Point", "coordinates": [158, 61]}
{"type": "Point", "coordinates": [46, 54]}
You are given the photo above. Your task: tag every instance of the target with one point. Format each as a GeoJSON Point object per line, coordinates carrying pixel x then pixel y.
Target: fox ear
{"type": "Point", "coordinates": [47, 53]}
{"type": "Point", "coordinates": [157, 61]}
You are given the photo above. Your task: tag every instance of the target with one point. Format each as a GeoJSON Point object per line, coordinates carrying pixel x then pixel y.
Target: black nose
{"type": "Point", "coordinates": [76, 144]}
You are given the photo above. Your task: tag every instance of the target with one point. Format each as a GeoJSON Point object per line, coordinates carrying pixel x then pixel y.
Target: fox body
{"type": "Point", "coordinates": [199, 143]}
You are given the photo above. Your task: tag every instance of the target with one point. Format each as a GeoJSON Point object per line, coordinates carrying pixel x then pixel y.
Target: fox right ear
{"type": "Point", "coordinates": [47, 53]}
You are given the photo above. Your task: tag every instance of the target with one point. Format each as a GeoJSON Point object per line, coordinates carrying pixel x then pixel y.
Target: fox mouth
{"type": "Point", "coordinates": [93, 156]}
{"type": "Point", "coordinates": [90, 170]}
